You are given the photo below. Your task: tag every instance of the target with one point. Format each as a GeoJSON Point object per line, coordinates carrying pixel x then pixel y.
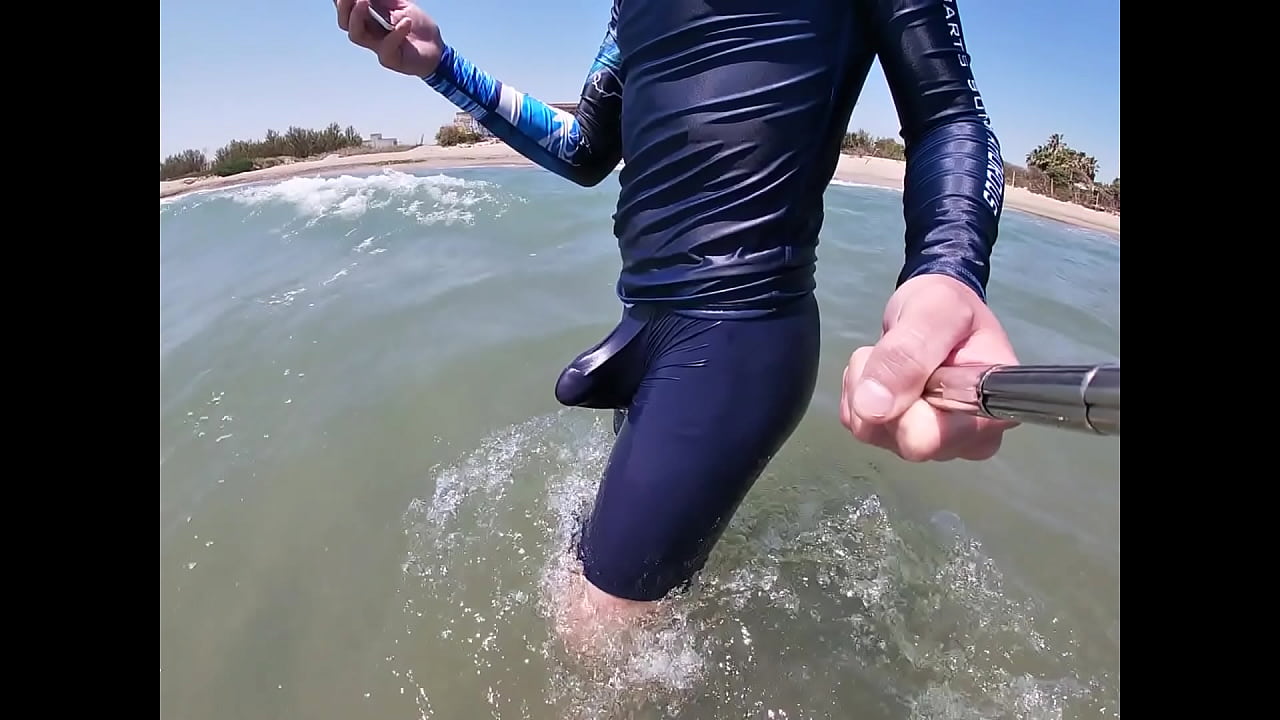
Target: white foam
{"type": "Point", "coordinates": [427, 199]}
{"type": "Point", "coordinates": [845, 183]}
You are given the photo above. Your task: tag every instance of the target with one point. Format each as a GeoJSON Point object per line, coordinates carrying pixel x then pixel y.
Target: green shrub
{"type": "Point", "coordinates": [233, 166]}
{"type": "Point", "coordinates": [456, 135]}
{"type": "Point", "coordinates": [183, 164]}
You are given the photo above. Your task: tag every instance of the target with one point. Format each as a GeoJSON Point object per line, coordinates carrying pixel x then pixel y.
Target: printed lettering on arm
{"type": "Point", "coordinates": [953, 193]}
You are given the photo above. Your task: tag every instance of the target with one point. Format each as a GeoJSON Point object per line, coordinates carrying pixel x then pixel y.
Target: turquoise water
{"type": "Point", "coordinates": [366, 483]}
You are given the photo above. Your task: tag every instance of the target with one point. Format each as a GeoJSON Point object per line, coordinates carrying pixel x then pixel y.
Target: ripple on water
{"type": "Point", "coordinates": [811, 605]}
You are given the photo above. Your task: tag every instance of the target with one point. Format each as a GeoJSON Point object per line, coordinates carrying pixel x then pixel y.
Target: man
{"type": "Point", "coordinates": [730, 117]}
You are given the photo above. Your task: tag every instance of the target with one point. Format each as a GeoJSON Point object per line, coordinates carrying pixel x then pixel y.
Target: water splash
{"type": "Point", "coordinates": [428, 200]}
{"type": "Point", "coordinates": [809, 605]}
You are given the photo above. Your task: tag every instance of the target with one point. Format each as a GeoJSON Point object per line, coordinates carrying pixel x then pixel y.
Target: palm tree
{"type": "Point", "coordinates": [1055, 159]}
{"type": "Point", "coordinates": [1087, 166]}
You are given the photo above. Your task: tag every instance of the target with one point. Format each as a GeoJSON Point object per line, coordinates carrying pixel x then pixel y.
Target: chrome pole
{"type": "Point", "coordinates": [1075, 397]}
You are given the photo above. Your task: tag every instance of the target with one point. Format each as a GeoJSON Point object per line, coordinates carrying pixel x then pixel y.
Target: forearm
{"type": "Point", "coordinates": [953, 194]}
{"type": "Point", "coordinates": [582, 148]}
{"type": "Point", "coordinates": [954, 187]}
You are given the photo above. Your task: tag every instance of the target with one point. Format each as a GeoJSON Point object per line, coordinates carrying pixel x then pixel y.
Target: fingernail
{"type": "Point", "coordinates": [872, 399]}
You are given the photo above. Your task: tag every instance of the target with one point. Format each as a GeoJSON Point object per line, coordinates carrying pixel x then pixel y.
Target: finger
{"type": "Point", "coordinates": [924, 433]}
{"type": "Point", "coordinates": [880, 436]}
{"type": "Point", "coordinates": [390, 46]}
{"type": "Point", "coordinates": [929, 327]}
{"type": "Point", "coordinates": [846, 414]}
{"type": "Point", "coordinates": [344, 12]}
{"type": "Point", "coordinates": [877, 435]}
{"type": "Point", "coordinates": [984, 448]}
{"type": "Point", "coordinates": [358, 29]}
{"type": "Point", "coordinates": [988, 441]}
{"type": "Point", "coordinates": [852, 374]}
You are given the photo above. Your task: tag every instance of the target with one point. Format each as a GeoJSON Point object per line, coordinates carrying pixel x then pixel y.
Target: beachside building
{"type": "Point", "coordinates": [377, 142]}
{"type": "Point", "coordinates": [464, 120]}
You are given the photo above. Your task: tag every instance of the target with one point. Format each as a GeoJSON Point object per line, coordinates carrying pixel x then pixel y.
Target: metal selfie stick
{"type": "Point", "coordinates": [1075, 397]}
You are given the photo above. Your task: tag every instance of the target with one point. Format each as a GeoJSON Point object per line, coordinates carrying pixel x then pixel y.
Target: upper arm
{"type": "Point", "coordinates": [588, 140]}
{"type": "Point", "coordinates": [921, 46]}
{"type": "Point", "coordinates": [598, 127]}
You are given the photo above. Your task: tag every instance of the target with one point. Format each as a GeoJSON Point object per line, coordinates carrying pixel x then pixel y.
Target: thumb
{"type": "Point", "coordinates": [389, 48]}
{"type": "Point", "coordinates": [929, 326]}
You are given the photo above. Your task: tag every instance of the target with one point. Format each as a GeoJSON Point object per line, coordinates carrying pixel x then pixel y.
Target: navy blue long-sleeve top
{"type": "Point", "coordinates": [729, 118]}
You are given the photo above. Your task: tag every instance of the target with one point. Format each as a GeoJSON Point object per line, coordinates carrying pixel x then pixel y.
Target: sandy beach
{"type": "Point", "coordinates": [863, 170]}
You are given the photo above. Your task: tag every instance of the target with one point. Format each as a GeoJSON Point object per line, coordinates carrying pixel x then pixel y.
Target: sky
{"type": "Point", "coordinates": [235, 68]}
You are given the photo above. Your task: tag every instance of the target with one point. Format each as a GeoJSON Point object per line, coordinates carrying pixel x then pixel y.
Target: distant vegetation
{"type": "Point", "coordinates": [1054, 169]}
{"type": "Point", "coordinates": [865, 144]}
{"type": "Point", "coordinates": [1063, 172]}
{"type": "Point", "coordinates": [456, 135]}
{"type": "Point", "coordinates": [240, 156]}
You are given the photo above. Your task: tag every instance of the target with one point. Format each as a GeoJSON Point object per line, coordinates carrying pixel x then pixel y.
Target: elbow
{"type": "Point", "coordinates": [593, 172]}
{"type": "Point", "coordinates": [589, 180]}
{"type": "Point", "coordinates": [962, 147]}
{"type": "Point", "coordinates": [586, 178]}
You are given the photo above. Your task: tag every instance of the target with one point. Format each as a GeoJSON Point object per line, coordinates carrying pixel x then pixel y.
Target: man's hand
{"type": "Point", "coordinates": [930, 321]}
{"type": "Point", "coordinates": [412, 48]}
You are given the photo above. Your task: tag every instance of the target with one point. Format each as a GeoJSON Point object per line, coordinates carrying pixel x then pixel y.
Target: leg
{"type": "Point", "coordinates": [716, 401]}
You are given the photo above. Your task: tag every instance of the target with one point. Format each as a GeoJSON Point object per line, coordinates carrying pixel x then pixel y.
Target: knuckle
{"type": "Point", "coordinates": [961, 314]}
{"type": "Point", "coordinates": [918, 446]}
{"type": "Point", "coordinates": [912, 453]}
{"type": "Point", "coordinates": [862, 432]}
{"type": "Point", "coordinates": [901, 358]}
{"type": "Point", "coordinates": [984, 449]}
{"type": "Point", "coordinates": [869, 434]}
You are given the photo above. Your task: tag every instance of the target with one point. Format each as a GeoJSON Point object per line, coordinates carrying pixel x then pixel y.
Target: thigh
{"type": "Point", "coordinates": [717, 400]}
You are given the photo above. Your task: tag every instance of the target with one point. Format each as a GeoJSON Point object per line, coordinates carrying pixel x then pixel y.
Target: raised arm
{"type": "Point", "coordinates": [954, 187]}
{"type": "Point", "coordinates": [583, 147]}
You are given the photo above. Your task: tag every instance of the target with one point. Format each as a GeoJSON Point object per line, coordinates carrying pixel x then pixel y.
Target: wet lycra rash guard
{"type": "Point", "coordinates": [730, 118]}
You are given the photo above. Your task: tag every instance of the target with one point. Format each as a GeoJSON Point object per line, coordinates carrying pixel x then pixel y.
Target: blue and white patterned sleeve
{"type": "Point", "coordinates": [584, 146]}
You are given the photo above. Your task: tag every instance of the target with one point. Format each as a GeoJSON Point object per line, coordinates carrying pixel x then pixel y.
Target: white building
{"type": "Point", "coordinates": [378, 142]}
{"type": "Point", "coordinates": [464, 120]}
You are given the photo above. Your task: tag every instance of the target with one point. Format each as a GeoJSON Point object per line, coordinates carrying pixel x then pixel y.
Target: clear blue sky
{"type": "Point", "coordinates": [234, 68]}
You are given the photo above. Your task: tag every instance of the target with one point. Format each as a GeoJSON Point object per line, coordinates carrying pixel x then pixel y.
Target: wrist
{"type": "Point", "coordinates": [442, 67]}
{"type": "Point", "coordinates": [952, 272]}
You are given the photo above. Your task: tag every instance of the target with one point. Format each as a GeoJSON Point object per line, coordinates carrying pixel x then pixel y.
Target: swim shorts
{"type": "Point", "coordinates": [701, 407]}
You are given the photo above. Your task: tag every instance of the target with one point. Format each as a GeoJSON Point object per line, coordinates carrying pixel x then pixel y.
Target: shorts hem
{"type": "Point", "coordinates": [617, 590]}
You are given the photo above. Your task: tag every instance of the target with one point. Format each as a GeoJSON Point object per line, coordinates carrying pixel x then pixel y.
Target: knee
{"type": "Point", "coordinates": [590, 619]}
{"type": "Point", "coordinates": [613, 607]}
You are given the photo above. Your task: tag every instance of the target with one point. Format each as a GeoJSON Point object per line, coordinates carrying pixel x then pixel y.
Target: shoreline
{"type": "Point", "coordinates": [878, 172]}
